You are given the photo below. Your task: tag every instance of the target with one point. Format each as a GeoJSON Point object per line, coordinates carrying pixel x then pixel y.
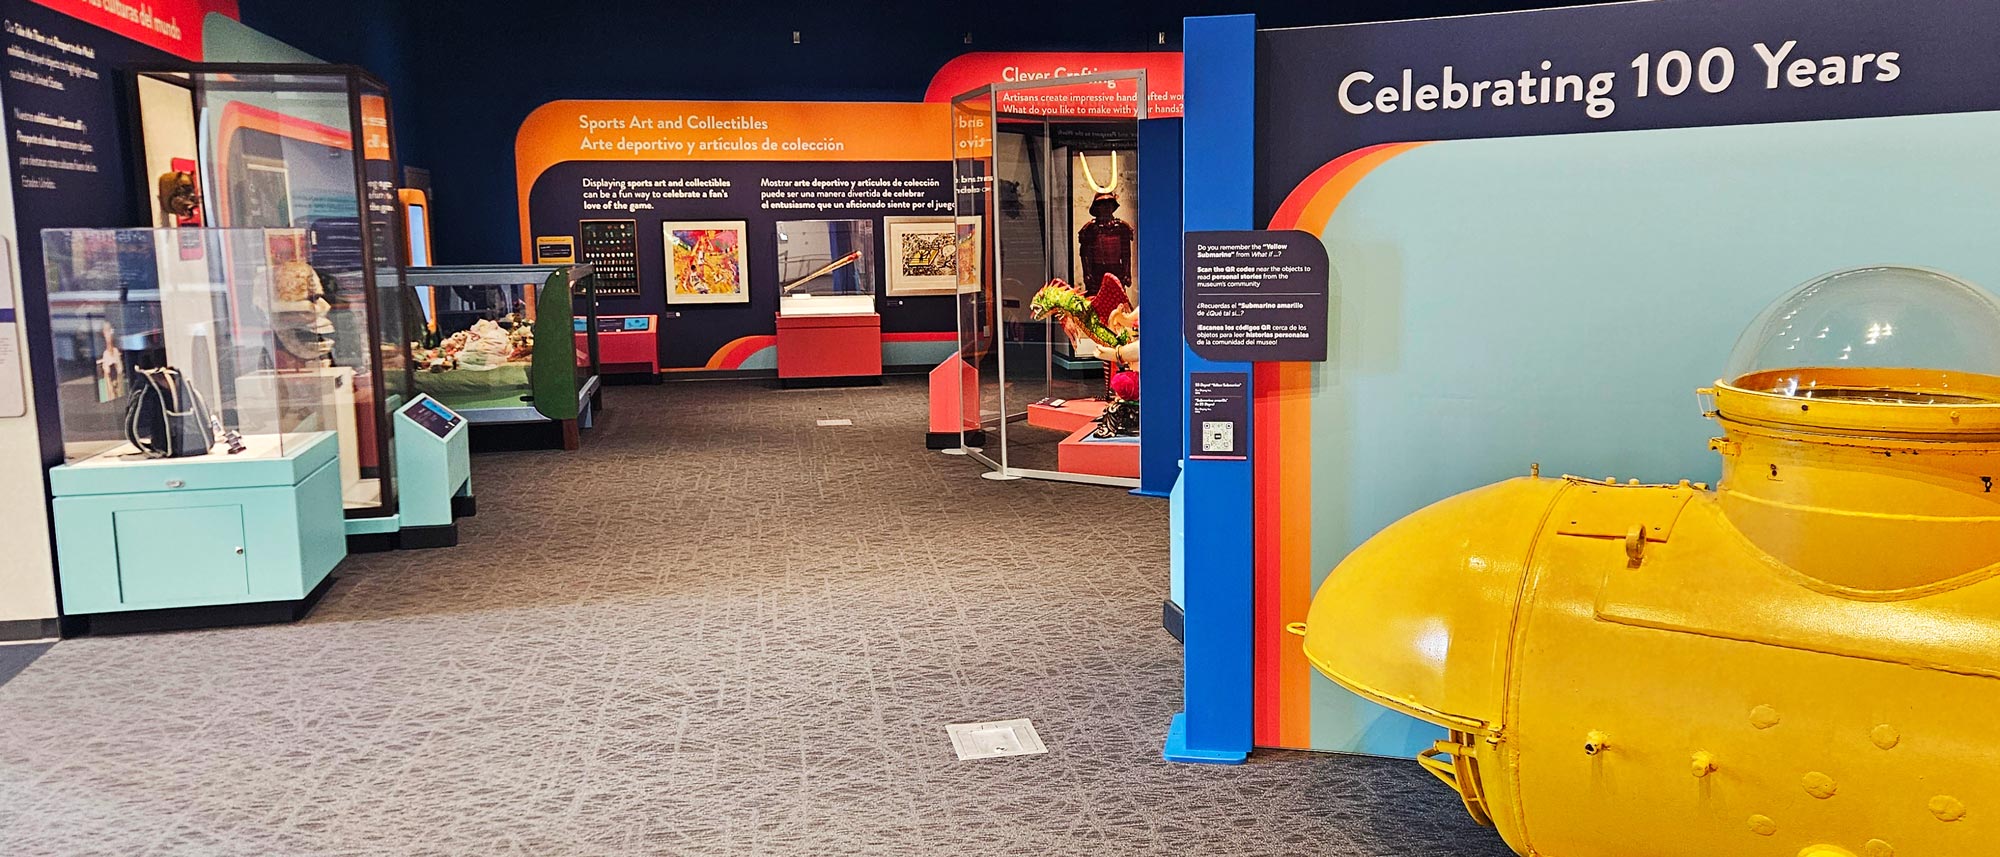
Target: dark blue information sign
{"type": "Point", "coordinates": [1255, 296]}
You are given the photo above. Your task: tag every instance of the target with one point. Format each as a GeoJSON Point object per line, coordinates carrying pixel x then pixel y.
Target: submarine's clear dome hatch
{"type": "Point", "coordinates": [1879, 335]}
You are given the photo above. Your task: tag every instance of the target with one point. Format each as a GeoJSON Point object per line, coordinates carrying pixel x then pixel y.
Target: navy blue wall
{"type": "Point", "coordinates": [464, 73]}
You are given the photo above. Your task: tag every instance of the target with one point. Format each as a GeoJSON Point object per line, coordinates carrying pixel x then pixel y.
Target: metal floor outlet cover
{"type": "Point", "coordinates": [995, 739]}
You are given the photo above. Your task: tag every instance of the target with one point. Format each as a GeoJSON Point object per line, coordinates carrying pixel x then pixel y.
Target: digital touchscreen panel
{"type": "Point", "coordinates": [435, 418]}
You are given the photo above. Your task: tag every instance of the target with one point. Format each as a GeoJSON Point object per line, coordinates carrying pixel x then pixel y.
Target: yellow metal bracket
{"type": "Point", "coordinates": [1458, 773]}
{"type": "Point", "coordinates": [1604, 511]}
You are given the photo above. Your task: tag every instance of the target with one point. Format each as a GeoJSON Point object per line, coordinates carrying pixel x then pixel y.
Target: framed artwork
{"type": "Point", "coordinates": [923, 255]}
{"type": "Point", "coordinates": [266, 194]}
{"type": "Point", "coordinates": [284, 245]}
{"type": "Point", "coordinates": [971, 252]}
{"type": "Point", "coordinates": [705, 262]}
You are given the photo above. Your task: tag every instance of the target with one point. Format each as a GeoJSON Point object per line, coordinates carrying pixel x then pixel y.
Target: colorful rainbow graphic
{"type": "Point", "coordinates": [1282, 417]}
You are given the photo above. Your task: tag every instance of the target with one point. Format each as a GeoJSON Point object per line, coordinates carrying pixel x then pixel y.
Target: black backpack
{"type": "Point", "coordinates": [166, 417]}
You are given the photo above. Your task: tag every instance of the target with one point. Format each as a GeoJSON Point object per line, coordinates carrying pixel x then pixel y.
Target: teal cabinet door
{"type": "Point", "coordinates": [175, 557]}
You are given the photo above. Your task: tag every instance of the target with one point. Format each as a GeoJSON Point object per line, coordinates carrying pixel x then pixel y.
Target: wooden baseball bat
{"type": "Point", "coordinates": [843, 262]}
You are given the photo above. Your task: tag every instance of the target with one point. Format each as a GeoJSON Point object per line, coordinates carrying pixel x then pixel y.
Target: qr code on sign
{"type": "Point", "coordinates": [1218, 436]}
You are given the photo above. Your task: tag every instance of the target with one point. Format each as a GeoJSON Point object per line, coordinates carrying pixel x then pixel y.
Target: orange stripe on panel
{"type": "Point", "coordinates": [1288, 214]}
{"type": "Point", "coordinates": [1295, 546]}
{"type": "Point", "coordinates": [1314, 216]}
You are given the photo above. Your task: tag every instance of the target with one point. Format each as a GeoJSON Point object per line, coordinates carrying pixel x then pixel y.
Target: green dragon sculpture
{"type": "Point", "coordinates": [1066, 304]}
{"type": "Point", "coordinates": [1104, 326]}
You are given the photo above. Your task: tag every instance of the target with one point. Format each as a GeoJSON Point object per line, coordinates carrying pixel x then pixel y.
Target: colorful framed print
{"type": "Point", "coordinates": [923, 255]}
{"type": "Point", "coordinates": [971, 252]}
{"type": "Point", "coordinates": [705, 262]}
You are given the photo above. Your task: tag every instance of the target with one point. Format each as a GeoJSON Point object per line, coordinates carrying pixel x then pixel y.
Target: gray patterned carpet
{"type": "Point", "coordinates": [15, 657]}
{"type": "Point", "coordinates": [717, 630]}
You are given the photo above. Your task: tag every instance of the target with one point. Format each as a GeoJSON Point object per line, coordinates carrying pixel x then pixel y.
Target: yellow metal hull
{"type": "Point", "coordinates": [1627, 675]}
{"type": "Point", "coordinates": [1804, 662]}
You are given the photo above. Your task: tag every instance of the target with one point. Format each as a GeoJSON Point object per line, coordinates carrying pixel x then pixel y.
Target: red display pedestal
{"type": "Point", "coordinates": [626, 345]}
{"type": "Point", "coordinates": [1074, 414]}
{"type": "Point", "coordinates": [829, 346]}
{"type": "Point", "coordinates": [1081, 453]}
{"type": "Point", "coordinates": [954, 405]}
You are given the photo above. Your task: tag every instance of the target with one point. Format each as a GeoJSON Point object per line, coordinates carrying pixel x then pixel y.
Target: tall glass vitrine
{"type": "Point", "coordinates": [305, 151]}
{"type": "Point", "coordinates": [1047, 201]}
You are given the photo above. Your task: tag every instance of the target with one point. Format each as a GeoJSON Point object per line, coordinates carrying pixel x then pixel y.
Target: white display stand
{"type": "Point", "coordinates": [254, 446]}
{"type": "Point", "coordinates": [827, 305]}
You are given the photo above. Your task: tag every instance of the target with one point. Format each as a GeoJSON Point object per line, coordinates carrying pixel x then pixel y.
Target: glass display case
{"type": "Point", "coordinates": [826, 267]}
{"type": "Point", "coordinates": [305, 151]}
{"type": "Point", "coordinates": [500, 343]}
{"type": "Point", "coordinates": [185, 344]}
{"type": "Point", "coordinates": [1047, 304]}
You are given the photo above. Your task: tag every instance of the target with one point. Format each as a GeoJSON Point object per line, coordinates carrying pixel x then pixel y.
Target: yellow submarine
{"type": "Point", "coordinates": [1803, 662]}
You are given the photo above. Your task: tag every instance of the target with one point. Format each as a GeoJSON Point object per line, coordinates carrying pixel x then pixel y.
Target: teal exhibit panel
{"type": "Point", "coordinates": [200, 429]}
{"type": "Point", "coordinates": [1541, 244]}
{"type": "Point", "coordinates": [434, 462]}
{"type": "Point", "coordinates": [432, 439]}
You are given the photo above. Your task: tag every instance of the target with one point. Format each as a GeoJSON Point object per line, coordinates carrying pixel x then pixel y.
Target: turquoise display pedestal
{"type": "Point", "coordinates": [433, 482]}
{"type": "Point", "coordinates": [144, 535]}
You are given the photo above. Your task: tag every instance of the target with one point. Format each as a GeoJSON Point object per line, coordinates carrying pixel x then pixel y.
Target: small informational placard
{"type": "Point", "coordinates": [433, 417]}
{"type": "Point", "coordinates": [615, 324]}
{"type": "Point", "coordinates": [13, 368]}
{"type": "Point", "coordinates": [13, 395]}
{"type": "Point", "coordinates": [1219, 415]}
{"type": "Point", "coordinates": [1256, 296]}
{"type": "Point", "coordinates": [555, 249]}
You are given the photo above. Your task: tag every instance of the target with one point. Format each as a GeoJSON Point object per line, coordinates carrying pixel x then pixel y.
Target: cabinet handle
{"type": "Point", "coordinates": [239, 550]}
{"type": "Point", "coordinates": [176, 483]}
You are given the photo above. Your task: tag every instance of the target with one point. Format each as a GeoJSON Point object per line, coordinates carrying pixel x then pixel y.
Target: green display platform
{"type": "Point", "coordinates": [464, 389]}
{"type": "Point", "coordinates": [261, 528]}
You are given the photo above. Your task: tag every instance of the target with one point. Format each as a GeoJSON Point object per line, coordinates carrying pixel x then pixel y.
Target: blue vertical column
{"type": "Point", "coordinates": [1218, 154]}
{"type": "Point", "coordinates": [1161, 419]}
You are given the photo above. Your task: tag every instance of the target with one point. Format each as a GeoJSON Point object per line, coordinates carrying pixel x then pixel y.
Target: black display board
{"type": "Point", "coordinates": [612, 246]}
